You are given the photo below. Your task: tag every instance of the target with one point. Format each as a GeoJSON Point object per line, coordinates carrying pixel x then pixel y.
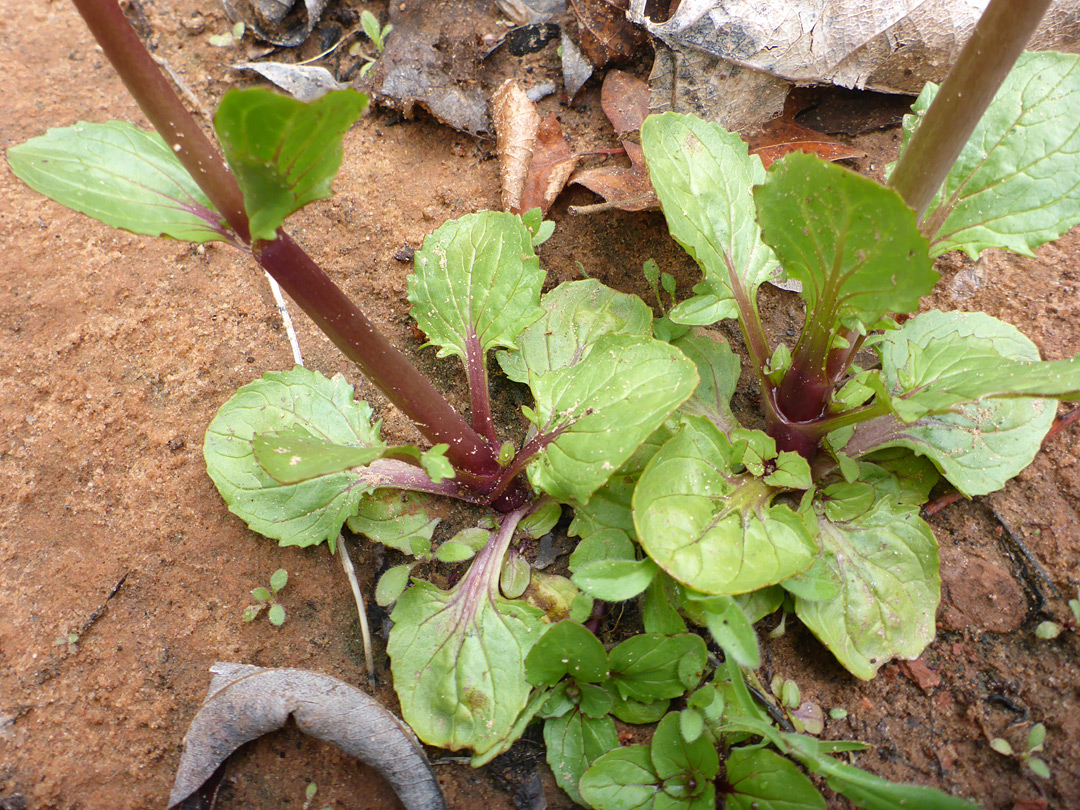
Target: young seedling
{"type": "Point", "coordinates": [266, 599]}
{"type": "Point", "coordinates": [675, 503]}
{"type": "Point", "coordinates": [370, 23]}
{"type": "Point", "coordinates": [1035, 742]}
{"type": "Point", "coordinates": [1050, 629]}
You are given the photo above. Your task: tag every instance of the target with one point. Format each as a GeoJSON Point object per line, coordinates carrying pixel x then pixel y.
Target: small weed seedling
{"type": "Point", "coordinates": [707, 522]}
{"type": "Point", "coordinates": [377, 35]}
{"type": "Point", "coordinates": [1035, 742]}
{"type": "Point", "coordinates": [266, 599]}
{"type": "Point", "coordinates": [1050, 629]}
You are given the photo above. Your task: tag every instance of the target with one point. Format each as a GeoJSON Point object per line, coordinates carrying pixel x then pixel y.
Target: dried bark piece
{"type": "Point", "coordinates": [516, 125]}
{"type": "Point", "coordinates": [551, 166]}
{"type": "Point", "coordinates": [605, 34]}
{"type": "Point", "coordinates": [781, 137]}
{"type": "Point", "coordinates": [625, 101]}
{"type": "Point", "coordinates": [245, 702]}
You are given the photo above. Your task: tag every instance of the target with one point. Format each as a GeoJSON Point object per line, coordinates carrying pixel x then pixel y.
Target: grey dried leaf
{"type": "Point", "coordinates": [302, 82]}
{"type": "Point", "coordinates": [894, 46]}
{"type": "Point", "coordinates": [244, 702]}
{"type": "Point", "coordinates": [268, 19]}
{"type": "Point", "coordinates": [576, 68]}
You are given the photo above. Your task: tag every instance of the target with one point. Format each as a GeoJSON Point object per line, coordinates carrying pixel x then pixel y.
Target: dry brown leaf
{"type": "Point", "coordinates": [245, 702]}
{"type": "Point", "coordinates": [516, 125]}
{"type": "Point", "coordinates": [627, 189]}
{"type": "Point", "coordinates": [781, 137]}
{"type": "Point", "coordinates": [625, 101]}
{"type": "Point", "coordinates": [551, 166]}
{"type": "Point", "coordinates": [606, 35]}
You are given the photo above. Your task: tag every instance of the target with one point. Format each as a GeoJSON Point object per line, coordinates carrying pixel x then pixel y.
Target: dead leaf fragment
{"type": "Point", "coordinates": [245, 702]}
{"type": "Point", "coordinates": [780, 137]}
{"type": "Point", "coordinates": [625, 101]}
{"type": "Point", "coordinates": [894, 46]}
{"type": "Point", "coordinates": [516, 125]}
{"type": "Point", "coordinates": [924, 677]}
{"type": "Point", "coordinates": [279, 22]}
{"type": "Point", "coordinates": [606, 35]}
{"type": "Point", "coordinates": [433, 59]}
{"type": "Point", "coordinates": [576, 68]}
{"type": "Point", "coordinates": [627, 189]}
{"type": "Point", "coordinates": [302, 82]}
{"type": "Point", "coordinates": [551, 166]}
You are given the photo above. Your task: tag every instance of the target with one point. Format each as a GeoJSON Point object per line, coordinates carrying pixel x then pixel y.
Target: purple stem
{"type": "Point", "coordinates": [294, 270]}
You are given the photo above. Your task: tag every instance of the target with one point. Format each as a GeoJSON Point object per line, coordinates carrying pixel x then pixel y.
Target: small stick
{"type": "Point", "coordinates": [365, 634]}
{"type": "Point", "coordinates": [279, 299]}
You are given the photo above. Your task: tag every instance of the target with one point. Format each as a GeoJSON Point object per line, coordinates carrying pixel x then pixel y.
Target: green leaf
{"type": "Point", "coordinates": [304, 513]}
{"type": "Point", "coordinates": [602, 409]}
{"type": "Point", "coordinates": [284, 153]}
{"type": "Point", "coordinates": [279, 579]}
{"type": "Point", "coordinates": [120, 175]}
{"type": "Point", "coordinates": [711, 526]}
{"type": "Point", "coordinates": [477, 282]}
{"type": "Point", "coordinates": [567, 649]}
{"type": "Point", "coordinates": [397, 520]}
{"type": "Point", "coordinates": [886, 563]}
{"type": "Point", "coordinates": [646, 667]}
{"type": "Point", "coordinates": [760, 778]}
{"type": "Point", "coordinates": [573, 743]}
{"type": "Point", "coordinates": [435, 463]}
{"type": "Point", "coordinates": [576, 315]}
{"type": "Point", "coordinates": [454, 552]}
{"type": "Point", "coordinates": [672, 754]}
{"type": "Point", "coordinates": [296, 454]}
{"type": "Point", "coordinates": [945, 374]}
{"type": "Point", "coordinates": [622, 779]}
{"type": "Point", "coordinates": [276, 615]}
{"type": "Point", "coordinates": [515, 575]}
{"type": "Point", "coordinates": [718, 367]}
{"type": "Point", "coordinates": [1016, 184]}
{"type": "Point", "coordinates": [637, 713]}
{"type": "Point", "coordinates": [541, 521]}
{"type": "Point", "coordinates": [702, 175]}
{"type": "Point", "coordinates": [658, 614]}
{"type": "Point", "coordinates": [852, 243]}
{"type": "Point", "coordinates": [262, 594]}
{"type": "Point", "coordinates": [1038, 767]}
{"type": "Point", "coordinates": [866, 790]}
{"type": "Point", "coordinates": [615, 580]}
{"type": "Point", "coordinates": [392, 584]}
{"type": "Point", "coordinates": [458, 656]}
{"type": "Point", "coordinates": [729, 626]}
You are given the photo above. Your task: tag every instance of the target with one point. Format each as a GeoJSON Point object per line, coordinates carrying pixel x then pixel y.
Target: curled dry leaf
{"type": "Point", "coordinates": [302, 82]}
{"type": "Point", "coordinates": [245, 702]}
{"type": "Point", "coordinates": [781, 137]}
{"type": "Point", "coordinates": [278, 22]}
{"type": "Point", "coordinates": [516, 125]}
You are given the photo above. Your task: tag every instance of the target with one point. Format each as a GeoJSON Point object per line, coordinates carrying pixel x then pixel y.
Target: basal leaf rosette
{"type": "Point", "coordinates": [969, 393]}
{"type": "Point", "coordinates": [458, 656]}
{"type": "Point", "coordinates": [711, 523]}
{"type": "Point", "coordinates": [476, 285]}
{"type": "Point", "coordinates": [295, 403]}
{"type": "Point", "coordinates": [703, 175]}
{"type": "Point", "coordinates": [884, 563]}
{"type": "Point", "coordinates": [594, 415]}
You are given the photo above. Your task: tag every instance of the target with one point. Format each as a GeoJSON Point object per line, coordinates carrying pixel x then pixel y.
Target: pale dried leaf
{"type": "Point", "coordinates": [895, 46]}
{"type": "Point", "coordinates": [576, 67]}
{"type": "Point", "coordinates": [302, 82]}
{"type": "Point", "coordinates": [516, 125]}
{"type": "Point", "coordinates": [245, 702]}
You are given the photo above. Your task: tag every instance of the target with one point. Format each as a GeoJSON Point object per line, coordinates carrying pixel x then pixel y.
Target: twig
{"type": "Point", "coordinates": [936, 505]}
{"type": "Point", "coordinates": [1060, 424]}
{"type": "Point", "coordinates": [275, 288]}
{"type": "Point", "coordinates": [1030, 567]}
{"type": "Point", "coordinates": [365, 634]}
